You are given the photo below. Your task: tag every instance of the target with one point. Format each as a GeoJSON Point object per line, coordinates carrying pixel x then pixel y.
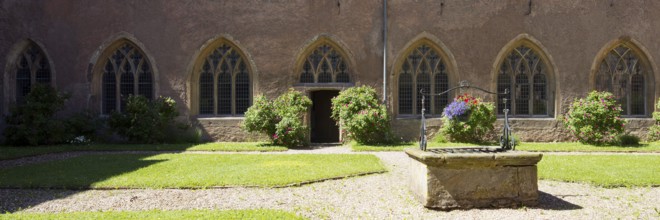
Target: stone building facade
{"type": "Point", "coordinates": [212, 57]}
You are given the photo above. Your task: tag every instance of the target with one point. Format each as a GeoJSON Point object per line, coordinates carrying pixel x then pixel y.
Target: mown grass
{"type": "Point", "coordinates": [158, 214]}
{"type": "Point", "coordinates": [524, 146]}
{"type": "Point", "coordinates": [17, 152]}
{"type": "Point", "coordinates": [187, 170]}
{"type": "Point", "coordinates": [400, 146]}
{"type": "Point", "coordinates": [602, 170]}
{"type": "Point", "coordinates": [579, 147]}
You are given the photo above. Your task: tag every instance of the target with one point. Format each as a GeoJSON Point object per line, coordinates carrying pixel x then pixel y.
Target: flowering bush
{"type": "Point", "coordinates": [596, 119]}
{"type": "Point", "coordinates": [468, 119]}
{"type": "Point", "coordinates": [280, 119]}
{"type": "Point", "coordinates": [654, 130]}
{"type": "Point", "coordinates": [360, 116]}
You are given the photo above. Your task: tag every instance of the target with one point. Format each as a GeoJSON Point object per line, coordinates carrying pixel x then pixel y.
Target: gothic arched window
{"type": "Point", "coordinates": [423, 68]}
{"type": "Point", "coordinates": [524, 74]}
{"type": "Point", "coordinates": [32, 67]}
{"type": "Point", "coordinates": [622, 73]}
{"type": "Point", "coordinates": [224, 83]}
{"type": "Point", "coordinates": [324, 65]}
{"type": "Point", "coordinates": [126, 72]}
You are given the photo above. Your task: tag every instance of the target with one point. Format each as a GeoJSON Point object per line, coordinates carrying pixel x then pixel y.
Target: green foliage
{"type": "Point", "coordinates": [473, 125]}
{"type": "Point", "coordinates": [145, 121]}
{"type": "Point", "coordinates": [627, 140]}
{"type": "Point", "coordinates": [654, 130]}
{"type": "Point", "coordinates": [361, 117]}
{"type": "Point", "coordinates": [260, 117]}
{"type": "Point", "coordinates": [281, 119]}
{"type": "Point", "coordinates": [82, 127]}
{"type": "Point", "coordinates": [33, 122]}
{"type": "Point", "coordinates": [596, 119]}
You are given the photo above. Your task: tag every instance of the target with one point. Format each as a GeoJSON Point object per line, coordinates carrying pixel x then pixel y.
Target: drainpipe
{"type": "Point", "coordinates": [385, 52]}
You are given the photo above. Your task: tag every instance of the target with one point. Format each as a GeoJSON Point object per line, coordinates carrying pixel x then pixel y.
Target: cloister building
{"type": "Point", "coordinates": [213, 57]}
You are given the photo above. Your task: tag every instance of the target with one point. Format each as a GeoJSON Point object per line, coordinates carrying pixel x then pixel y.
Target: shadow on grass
{"type": "Point", "coordinates": [23, 187]}
{"type": "Point", "coordinates": [551, 202]}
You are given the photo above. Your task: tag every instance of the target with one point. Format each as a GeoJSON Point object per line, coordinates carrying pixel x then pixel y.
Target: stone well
{"type": "Point", "coordinates": [479, 177]}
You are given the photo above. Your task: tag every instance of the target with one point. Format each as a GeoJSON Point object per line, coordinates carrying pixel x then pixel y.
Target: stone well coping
{"type": "Point", "coordinates": [481, 159]}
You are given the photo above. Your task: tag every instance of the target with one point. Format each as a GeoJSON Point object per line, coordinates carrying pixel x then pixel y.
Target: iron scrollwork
{"type": "Point", "coordinates": [507, 141]}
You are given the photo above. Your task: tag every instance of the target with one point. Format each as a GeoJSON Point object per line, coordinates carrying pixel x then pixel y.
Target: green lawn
{"type": "Point", "coordinates": [579, 147]}
{"type": "Point", "coordinates": [399, 147]}
{"type": "Point", "coordinates": [525, 146]}
{"type": "Point", "coordinates": [602, 170]}
{"type": "Point", "coordinates": [187, 170]}
{"type": "Point", "coordinates": [17, 152]}
{"type": "Point", "coordinates": [157, 214]}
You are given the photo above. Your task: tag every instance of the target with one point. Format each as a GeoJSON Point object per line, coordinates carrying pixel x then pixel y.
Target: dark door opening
{"type": "Point", "coordinates": [324, 129]}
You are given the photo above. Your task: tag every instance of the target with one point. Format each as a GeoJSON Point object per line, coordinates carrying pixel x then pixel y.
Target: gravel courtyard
{"type": "Point", "coordinates": [378, 196]}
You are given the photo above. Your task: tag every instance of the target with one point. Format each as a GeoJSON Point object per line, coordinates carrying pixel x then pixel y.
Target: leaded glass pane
{"type": "Point", "coordinates": [109, 89]}
{"type": "Point", "coordinates": [522, 95]}
{"type": "Point", "coordinates": [242, 90]}
{"type": "Point", "coordinates": [232, 84]}
{"type": "Point", "coordinates": [405, 93]}
{"type": "Point", "coordinates": [423, 82]}
{"type": "Point", "coordinates": [224, 90]}
{"type": "Point", "coordinates": [23, 83]}
{"type": "Point", "coordinates": [503, 84]}
{"type": "Point", "coordinates": [526, 98]}
{"type": "Point", "coordinates": [342, 74]}
{"type": "Point", "coordinates": [441, 85]}
{"type": "Point", "coordinates": [33, 67]}
{"type": "Point", "coordinates": [206, 90]}
{"type": "Point", "coordinates": [127, 85]}
{"type": "Point", "coordinates": [307, 75]}
{"type": "Point", "coordinates": [135, 78]}
{"type": "Point", "coordinates": [622, 74]}
{"type": "Point", "coordinates": [145, 82]}
{"type": "Point", "coordinates": [326, 65]}
{"type": "Point", "coordinates": [637, 95]}
{"type": "Point", "coordinates": [325, 75]}
{"type": "Point", "coordinates": [540, 102]}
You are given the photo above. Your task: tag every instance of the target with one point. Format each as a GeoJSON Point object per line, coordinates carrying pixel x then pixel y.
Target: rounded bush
{"type": "Point", "coordinates": [468, 119]}
{"type": "Point", "coordinates": [654, 130]}
{"type": "Point", "coordinates": [595, 119]}
{"type": "Point", "coordinates": [360, 116]}
{"type": "Point", "coordinates": [281, 119]}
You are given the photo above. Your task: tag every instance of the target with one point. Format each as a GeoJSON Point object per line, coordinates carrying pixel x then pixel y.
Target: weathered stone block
{"type": "Point", "coordinates": [474, 180]}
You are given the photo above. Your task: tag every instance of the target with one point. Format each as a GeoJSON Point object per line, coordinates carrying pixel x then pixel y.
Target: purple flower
{"type": "Point", "coordinates": [456, 109]}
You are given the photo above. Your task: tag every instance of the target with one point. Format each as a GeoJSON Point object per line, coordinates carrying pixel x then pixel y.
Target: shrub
{"type": "Point", "coordinates": [627, 140]}
{"type": "Point", "coordinates": [261, 116]}
{"type": "Point", "coordinates": [281, 119]}
{"type": "Point", "coordinates": [82, 127]}
{"type": "Point", "coordinates": [145, 121]}
{"type": "Point", "coordinates": [654, 130]}
{"type": "Point", "coordinates": [33, 122]}
{"type": "Point", "coordinates": [290, 108]}
{"type": "Point", "coordinates": [596, 119]}
{"type": "Point", "coordinates": [360, 116]}
{"type": "Point", "coordinates": [468, 119]}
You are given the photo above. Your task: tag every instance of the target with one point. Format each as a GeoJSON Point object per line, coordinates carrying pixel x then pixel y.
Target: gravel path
{"type": "Point", "coordinates": [379, 196]}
